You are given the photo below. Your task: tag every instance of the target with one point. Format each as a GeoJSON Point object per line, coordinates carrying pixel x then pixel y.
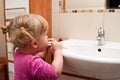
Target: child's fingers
{"type": "Point", "coordinates": [51, 40]}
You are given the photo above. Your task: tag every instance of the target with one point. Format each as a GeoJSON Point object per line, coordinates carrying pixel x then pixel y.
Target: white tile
{"type": "Point", "coordinates": [11, 76]}
{"type": "Point", "coordinates": [11, 67]}
{"type": "Point", "coordinates": [10, 56]}
{"type": "Point", "coordinates": [9, 47]}
{"type": "Point", "coordinates": [55, 6]}
{"type": "Point", "coordinates": [55, 25]}
{"type": "Point", "coordinates": [112, 27]}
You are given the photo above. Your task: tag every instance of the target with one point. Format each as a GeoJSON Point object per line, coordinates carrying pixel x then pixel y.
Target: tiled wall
{"type": "Point", "coordinates": [83, 25]}
{"type": "Point", "coordinates": [55, 18]}
{"type": "Point", "coordinates": [79, 25]}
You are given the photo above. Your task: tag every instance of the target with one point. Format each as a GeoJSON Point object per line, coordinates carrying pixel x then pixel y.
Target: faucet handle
{"type": "Point", "coordinates": [100, 31]}
{"type": "Point", "coordinates": [99, 28]}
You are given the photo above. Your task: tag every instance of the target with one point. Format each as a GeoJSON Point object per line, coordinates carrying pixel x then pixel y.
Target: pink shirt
{"type": "Point", "coordinates": [29, 67]}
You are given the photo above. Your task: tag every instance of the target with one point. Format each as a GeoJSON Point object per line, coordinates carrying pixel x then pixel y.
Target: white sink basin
{"type": "Point", "coordinates": [86, 58]}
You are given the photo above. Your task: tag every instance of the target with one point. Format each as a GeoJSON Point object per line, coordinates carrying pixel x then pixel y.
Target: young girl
{"type": "Point", "coordinates": [28, 33]}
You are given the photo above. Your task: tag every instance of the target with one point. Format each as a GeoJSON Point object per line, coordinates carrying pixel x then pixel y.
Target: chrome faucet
{"type": "Point", "coordinates": [100, 37]}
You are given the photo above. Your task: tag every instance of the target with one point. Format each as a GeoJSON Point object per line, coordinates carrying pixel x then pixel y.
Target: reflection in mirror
{"type": "Point", "coordinates": [113, 4]}
{"type": "Point", "coordinates": [85, 4]}
{"type": "Point", "coordinates": [67, 5]}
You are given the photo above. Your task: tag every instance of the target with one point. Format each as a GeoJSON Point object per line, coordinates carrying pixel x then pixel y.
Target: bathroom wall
{"type": "Point", "coordinates": [83, 24]}
{"type": "Point", "coordinates": [79, 25]}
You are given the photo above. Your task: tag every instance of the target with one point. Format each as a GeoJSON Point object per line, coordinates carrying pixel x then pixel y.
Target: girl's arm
{"type": "Point", "coordinates": [57, 57]}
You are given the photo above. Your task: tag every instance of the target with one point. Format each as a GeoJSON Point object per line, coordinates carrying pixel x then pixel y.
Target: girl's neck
{"type": "Point", "coordinates": [28, 51]}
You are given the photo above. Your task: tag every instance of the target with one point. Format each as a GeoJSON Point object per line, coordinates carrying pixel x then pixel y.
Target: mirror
{"type": "Point", "coordinates": [89, 5]}
{"type": "Point", "coordinates": [82, 4]}
{"type": "Point", "coordinates": [85, 4]}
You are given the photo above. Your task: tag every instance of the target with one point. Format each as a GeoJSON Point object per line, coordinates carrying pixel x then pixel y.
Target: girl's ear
{"type": "Point", "coordinates": [34, 44]}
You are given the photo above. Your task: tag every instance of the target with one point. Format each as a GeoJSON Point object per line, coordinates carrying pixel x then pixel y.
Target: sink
{"type": "Point", "coordinates": [87, 58]}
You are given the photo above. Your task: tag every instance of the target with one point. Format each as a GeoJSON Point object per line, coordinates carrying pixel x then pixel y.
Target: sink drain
{"type": "Point", "coordinates": [99, 50]}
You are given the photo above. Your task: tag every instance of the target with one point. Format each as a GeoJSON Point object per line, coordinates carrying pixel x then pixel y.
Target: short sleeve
{"type": "Point", "coordinates": [41, 70]}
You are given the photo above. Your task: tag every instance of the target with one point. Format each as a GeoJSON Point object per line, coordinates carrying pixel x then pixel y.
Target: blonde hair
{"type": "Point", "coordinates": [25, 28]}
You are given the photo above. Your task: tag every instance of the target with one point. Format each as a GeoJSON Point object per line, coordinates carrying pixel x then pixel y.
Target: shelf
{"type": "Point", "coordinates": [8, 20]}
{"type": "Point", "coordinates": [11, 61]}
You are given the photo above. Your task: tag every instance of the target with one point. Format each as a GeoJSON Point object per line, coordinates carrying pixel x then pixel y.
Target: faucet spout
{"type": "Point", "coordinates": [100, 37]}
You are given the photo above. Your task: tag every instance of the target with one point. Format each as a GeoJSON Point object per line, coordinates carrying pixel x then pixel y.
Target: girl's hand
{"type": "Point", "coordinates": [55, 45]}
